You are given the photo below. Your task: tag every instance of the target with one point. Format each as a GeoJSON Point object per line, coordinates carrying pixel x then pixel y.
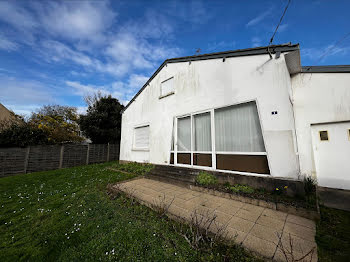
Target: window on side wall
{"type": "Point", "coordinates": [141, 138]}
{"type": "Point", "coordinates": [167, 87]}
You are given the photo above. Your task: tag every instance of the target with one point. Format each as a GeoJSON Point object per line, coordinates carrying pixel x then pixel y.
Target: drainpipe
{"type": "Point", "coordinates": [295, 129]}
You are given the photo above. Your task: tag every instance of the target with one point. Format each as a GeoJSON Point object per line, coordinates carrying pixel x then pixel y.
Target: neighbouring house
{"type": "Point", "coordinates": [254, 112]}
{"type": "Point", "coordinates": [6, 116]}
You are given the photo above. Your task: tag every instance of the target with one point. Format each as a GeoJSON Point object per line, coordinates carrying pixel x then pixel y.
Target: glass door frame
{"type": "Point", "coordinates": [192, 152]}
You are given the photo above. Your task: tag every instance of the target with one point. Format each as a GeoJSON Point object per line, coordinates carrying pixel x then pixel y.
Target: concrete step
{"type": "Point", "coordinates": [172, 174]}
{"type": "Point", "coordinates": [176, 177]}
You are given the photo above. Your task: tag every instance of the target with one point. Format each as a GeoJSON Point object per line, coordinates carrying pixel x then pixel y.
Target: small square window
{"type": "Point", "coordinates": [167, 87]}
{"type": "Point", "coordinates": [324, 135]}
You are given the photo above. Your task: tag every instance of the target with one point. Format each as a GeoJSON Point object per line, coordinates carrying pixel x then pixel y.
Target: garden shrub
{"type": "Point", "coordinates": [206, 179]}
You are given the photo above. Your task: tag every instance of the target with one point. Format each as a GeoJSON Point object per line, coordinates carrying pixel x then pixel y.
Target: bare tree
{"type": "Point", "coordinates": [91, 99]}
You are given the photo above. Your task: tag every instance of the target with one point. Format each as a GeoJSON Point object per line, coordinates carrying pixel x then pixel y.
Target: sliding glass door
{"type": "Point", "coordinates": [228, 138]}
{"type": "Point", "coordinates": [184, 141]}
{"type": "Point", "coordinates": [202, 151]}
{"type": "Point", "coordinates": [194, 140]}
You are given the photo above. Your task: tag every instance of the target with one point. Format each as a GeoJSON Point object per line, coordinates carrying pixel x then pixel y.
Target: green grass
{"type": "Point", "coordinates": [237, 188]}
{"type": "Point", "coordinates": [206, 179]}
{"type": "Point", "coordinates": [66, 215]}
{"type": "Point", "coordinates": [134, 168]}
{"type": "Point", "coordinates": [333, 235]}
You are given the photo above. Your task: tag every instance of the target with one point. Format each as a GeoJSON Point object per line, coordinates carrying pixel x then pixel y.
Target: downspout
{"type": "Point", "coordinates": [295, 129]}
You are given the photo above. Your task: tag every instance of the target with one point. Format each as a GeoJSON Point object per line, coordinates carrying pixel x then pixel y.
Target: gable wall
{"type": "Point", "coordinates": [210, 84]}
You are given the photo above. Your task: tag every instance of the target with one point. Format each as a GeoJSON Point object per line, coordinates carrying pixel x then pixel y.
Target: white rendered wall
{"type": "Point", "coordinates": [318, 98]}
{"type": "Point", "coordinates": [210, 84]}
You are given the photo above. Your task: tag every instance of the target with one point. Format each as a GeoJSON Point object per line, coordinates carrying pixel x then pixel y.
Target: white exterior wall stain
{"type": "Point", "coordinates": [318, 98]}
{"type": "Point", "coordinates": [208, 84]}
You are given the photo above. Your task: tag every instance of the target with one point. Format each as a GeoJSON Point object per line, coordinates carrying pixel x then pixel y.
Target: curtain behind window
{"type": "Point", "coordinates": [237, 129]}
{"type": "Point", "coordinates": [184, 134]}
{"type": "Point", "coordinates": [202, 132]}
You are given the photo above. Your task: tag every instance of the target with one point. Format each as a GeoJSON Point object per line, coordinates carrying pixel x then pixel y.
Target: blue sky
{"type": "Point", "coordinates": [56, 52]}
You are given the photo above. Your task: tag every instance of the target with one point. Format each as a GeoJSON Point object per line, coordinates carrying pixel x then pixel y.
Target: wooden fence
{"type": "Point", "coordinates": [19, 160]}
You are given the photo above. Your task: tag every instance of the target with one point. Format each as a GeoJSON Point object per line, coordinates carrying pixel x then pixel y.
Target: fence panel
{"type": "Point", "coordinates": [42, 158]}
{"type": "Point", "coordinates": [74, 155]}
{"type": "Point", "coordinates": [12, 161]}
{"type": "Point", "coordinates": [114, 152]}
{"type": "Point", "coordinates": [98, 153]}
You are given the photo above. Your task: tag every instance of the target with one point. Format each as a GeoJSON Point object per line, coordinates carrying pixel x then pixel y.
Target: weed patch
{"type": "Point", "coordinates": [206, 179]}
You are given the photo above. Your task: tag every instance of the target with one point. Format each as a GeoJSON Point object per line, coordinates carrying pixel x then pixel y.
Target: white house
{"type": "Point", "coordinates": [253, 111]}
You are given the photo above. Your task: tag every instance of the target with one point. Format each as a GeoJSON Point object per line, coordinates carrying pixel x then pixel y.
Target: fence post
{"type": "Point", "coordinates": [26, 158]}
{"type": "Point", "coordinates": [61, 156]}
{"type": "Point", "coordinates": [107, 152]}
{"type": "Point", "coordinates": [87, 154]}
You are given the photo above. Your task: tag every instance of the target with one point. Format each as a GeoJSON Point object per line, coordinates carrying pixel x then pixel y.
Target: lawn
{"type": "Point", "coordinates": [333, 235]}
{"type": "Point", "coordinates": [66, 215]}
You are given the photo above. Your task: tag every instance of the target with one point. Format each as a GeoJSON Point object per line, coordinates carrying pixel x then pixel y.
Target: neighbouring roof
{"type": "Point", "coordinates": [326, 69]}
{"type": "Point", "coordinates": [263, 50]}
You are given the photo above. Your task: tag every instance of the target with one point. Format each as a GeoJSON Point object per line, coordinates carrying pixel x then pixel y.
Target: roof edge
{"type": "Point", "coordinates": [226, 54]}
{"type": "Point", "coordinates": [326, 69]}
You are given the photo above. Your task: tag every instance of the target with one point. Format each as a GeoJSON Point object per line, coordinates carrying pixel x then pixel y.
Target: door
{"type": "Point", "coordinates": [331, 148]}
{"type": "Point", "coordinates": [184, 141]}
{"type": "Point", "coordinates": [194, 140]}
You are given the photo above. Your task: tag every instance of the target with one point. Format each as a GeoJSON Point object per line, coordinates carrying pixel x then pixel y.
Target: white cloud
{"type": "Point", "coordinates": [77, 20]}
{"type": "Point", "coordinates": [85, 90]}
{"type": "Point", "coordinates": [259, 18]}
{"type": "Point", "coordinates": [54, 51]}
{"type": "Point", "coordinates": [59, 51]}
{"type": "Point", "coordinates": [282, 28]}
{"type": "Point", "coordinates": [79, 34]}
{"type": "Point", "coordinates": [23, 95]}
{"type": "Point", "coordinates": [138, 53]}
{"type": "Point", "coordinates": [220, 46]}
{"type": "Point", "coordinates": [82, 110]}
{"type": "Point", "coordinates": [7, 45]}
{"type": "Point", "coordinates": [256, 41]}
{"type": "Point", "coordinates": [123, 91]}
{"type": "Point", "coordinates": [16, 15]}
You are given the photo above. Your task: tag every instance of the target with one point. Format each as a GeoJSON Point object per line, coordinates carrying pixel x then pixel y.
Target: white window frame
{"type": "Point", "coordinates": [214, 152]}
{"type": "Point", "coordinates": [171, 92]}
{"type": "Point", "coordinates": [134, 148]}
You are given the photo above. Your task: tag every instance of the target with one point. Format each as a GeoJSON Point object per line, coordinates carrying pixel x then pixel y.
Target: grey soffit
{"type": "Point", "coordinates": [326, 69]}
{"type": "Point", "coordinates": [227, 54]}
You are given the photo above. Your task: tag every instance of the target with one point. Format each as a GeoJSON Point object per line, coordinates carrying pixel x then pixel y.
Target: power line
{"type": "Point", "coordinates": [332, 47]}
{"type": "Point", "coordinates": [284, 12]}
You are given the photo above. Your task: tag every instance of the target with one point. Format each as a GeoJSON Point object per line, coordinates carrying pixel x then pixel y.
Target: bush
{"type": "Point", "coordinates": [23, 134]}
{"type": "Point", "coordinates": [241, 189]}
{"type": "Point", "coordinates": [206, 179]}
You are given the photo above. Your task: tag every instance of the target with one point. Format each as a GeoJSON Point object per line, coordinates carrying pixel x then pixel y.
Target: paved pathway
{"type": "Point", "coordinates": [254, 227]}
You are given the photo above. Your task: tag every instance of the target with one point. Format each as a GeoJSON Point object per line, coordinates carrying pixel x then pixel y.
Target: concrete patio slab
{"type": "Point", "coordinates": [261, 230]}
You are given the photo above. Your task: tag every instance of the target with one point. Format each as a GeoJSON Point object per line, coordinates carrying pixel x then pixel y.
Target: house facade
{"type": "Point", "coordinates": [252, 112]}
